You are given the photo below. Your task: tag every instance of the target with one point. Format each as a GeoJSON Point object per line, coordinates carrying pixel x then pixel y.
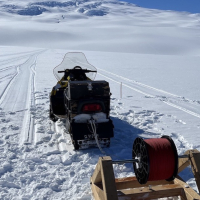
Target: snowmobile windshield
{"type": "Point", "coordinates": [72, 60]}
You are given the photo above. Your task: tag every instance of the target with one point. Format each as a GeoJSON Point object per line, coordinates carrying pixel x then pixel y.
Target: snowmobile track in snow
{"type": "Point", "coordinates": [20, 53]}
{"type": "Point", "coordinates": [28, 129]}
{"type": "Point", "coordinates": [185, 105]}
{"type": "Point", "coordinates": [16, 58]}
{"type": "Point", "coordinates": [18, 95]}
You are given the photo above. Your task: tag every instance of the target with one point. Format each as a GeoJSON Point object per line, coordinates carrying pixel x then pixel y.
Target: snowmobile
{"type": "Point", "coordinates": [83, 102]}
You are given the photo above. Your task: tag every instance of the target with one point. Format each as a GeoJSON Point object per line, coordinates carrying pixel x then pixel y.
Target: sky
{"type": "Point", "coordinates": [192, 6]}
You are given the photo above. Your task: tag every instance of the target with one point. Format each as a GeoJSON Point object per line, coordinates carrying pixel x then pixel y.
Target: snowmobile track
{"type": "Point", "coordinates": [11, 60]}
{"type": "Point", "coordinates": [4, 92]}
{"type": "Point", "coordinates": [20, 53]}
{"type": "Point", "coordinates": [28, 129]}
{"type": "Point", "coordinates": [185, 105]}
{"type": "Point", "coordinates": [18, 95]}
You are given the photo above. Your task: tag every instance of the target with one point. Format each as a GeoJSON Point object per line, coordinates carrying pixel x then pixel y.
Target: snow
{"type": "Point", "coordinates": [154, 55]}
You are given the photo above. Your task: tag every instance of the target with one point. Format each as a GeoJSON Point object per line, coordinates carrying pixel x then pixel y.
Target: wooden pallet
{"type": "Point", "coordinates": [106, 187]}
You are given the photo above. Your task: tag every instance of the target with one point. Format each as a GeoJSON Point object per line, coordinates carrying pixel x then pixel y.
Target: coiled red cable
{"type": "Point", "coordinates": [161, 158]}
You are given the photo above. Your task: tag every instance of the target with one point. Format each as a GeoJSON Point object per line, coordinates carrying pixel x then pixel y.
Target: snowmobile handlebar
{"type": "Point", "coordinates": [75, 70]}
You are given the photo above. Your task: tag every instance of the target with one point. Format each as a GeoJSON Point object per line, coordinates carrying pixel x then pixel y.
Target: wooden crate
{"type": "Point", "coordinates": [105, 187]}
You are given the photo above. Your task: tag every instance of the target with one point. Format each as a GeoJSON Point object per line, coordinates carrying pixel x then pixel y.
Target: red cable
{"type": "Point", "coordinates": [162, 159]}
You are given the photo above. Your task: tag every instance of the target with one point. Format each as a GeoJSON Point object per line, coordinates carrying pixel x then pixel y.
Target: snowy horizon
{"type": "Point", "coordinates": [92, 25]}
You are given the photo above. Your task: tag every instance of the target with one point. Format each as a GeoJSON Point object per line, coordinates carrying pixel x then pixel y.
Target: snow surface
{"type": "Point", "coordinates": [153, 53]}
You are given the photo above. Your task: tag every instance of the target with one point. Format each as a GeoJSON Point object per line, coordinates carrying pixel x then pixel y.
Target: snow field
{"type": "Point", "coordinates": [102, 25]}
{"type": "Point", "coordinates": [37, 157]}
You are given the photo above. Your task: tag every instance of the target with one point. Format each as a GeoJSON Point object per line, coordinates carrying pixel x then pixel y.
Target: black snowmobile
{"type": "Point", "coordinates": [83, 102]}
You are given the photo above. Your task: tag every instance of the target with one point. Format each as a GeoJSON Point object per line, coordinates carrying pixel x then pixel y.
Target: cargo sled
{"type": "Point", "coordinates": [83, 102]}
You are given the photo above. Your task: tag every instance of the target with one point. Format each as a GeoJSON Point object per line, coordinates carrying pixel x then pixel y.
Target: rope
{"type": "Point", "coordinates": [93, 126]}
{"type": "Point", "coordinates": [162, 159]}
{"type": "Point", "coordinates": [92, 123]}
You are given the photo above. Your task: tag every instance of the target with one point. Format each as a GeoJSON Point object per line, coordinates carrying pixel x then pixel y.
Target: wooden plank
{"type": "Point", "coordinates": [131, 182]}
{"type": "Point", "coordinates": [182, 164]}
{"type": "Point", "coordinates": [185, 162]}
{"type": "Point", "coordinates": [108, 179]}
{"type": "Point", "coordinates": [153, 193]}
{"type": "Point", "coordinates": [188, 191]}
{"type": "Point", "coordinates": [195, 164]}
{"type": "Point", "coordinates": [98, 193]}
{"type": "Point", "coordinates": [183, 195]}
{"type": "Point", "coordinates": [96, 177]}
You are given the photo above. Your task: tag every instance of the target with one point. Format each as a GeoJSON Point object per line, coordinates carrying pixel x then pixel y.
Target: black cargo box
{"type": "Point", "coordinates": [79, 93]}
{"type": "Point", "coordinates": [84, 89]}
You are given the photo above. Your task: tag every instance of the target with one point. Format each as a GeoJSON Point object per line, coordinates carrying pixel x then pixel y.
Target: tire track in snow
{"type": "Point", "coordinates": [28, 128]}
{"type": "Point", "coordinates": [28, 120]}
{"type": "Point", "coordinates": [132, 88]}
{"type": "Point", "coordinates": [8, 76]}
{"type": "Point", "coordinates": [13, 76]}
{"type": "Point", "coordinates": [11, 80]}
{"type": "Point", "coordinates": [183, 109]}
{"type": "Point", "coordinates": [23, 53]}
{"type": "Point", "coordinates": [11, 60]}
{"type": "Point", "coordinates": [7, 68]}
{"type": "Point", "coordinates": [4, 92]}
{"type": "Point", "coordinates": [141, 88]}
{"type": "Point", "coordinates": [18, 97]}
{"type": "Point", "coordinates": [138, 83]}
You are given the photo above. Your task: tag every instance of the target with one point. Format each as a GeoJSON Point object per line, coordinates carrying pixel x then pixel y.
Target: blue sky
{"type": "Point", "coordinates": [192, 6]}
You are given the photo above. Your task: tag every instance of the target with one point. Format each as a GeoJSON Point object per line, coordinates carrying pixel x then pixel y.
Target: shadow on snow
{"type": "Point", "coordinates": [121, 145]}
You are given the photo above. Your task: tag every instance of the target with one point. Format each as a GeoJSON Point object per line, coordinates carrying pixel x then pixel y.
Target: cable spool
{"type": "Point", "coordinates": [157, 159]}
